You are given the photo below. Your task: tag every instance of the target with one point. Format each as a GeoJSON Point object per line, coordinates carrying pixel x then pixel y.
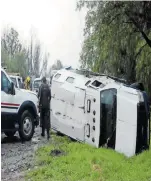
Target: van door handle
{"type": "Point", "coordinates": [82, 107]}
{"type": "Point", "coordinates": [88, 130]}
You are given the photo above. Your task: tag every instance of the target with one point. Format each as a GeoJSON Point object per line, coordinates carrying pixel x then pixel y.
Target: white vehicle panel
{"type": "Point", "coordinates": [126, 123]}
{"type": "Point", "coordinates": [93, 127]}
{"type": "Point", "coordinates": [112, 114]}
{"type": "Point", "coordinates": [20, 96]}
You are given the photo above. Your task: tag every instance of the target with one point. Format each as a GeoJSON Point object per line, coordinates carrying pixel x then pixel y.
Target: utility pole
{"type": "Point", "coordinates": [31, 54]}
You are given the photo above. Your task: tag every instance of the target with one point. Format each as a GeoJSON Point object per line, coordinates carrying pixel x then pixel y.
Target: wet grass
{"type": "Point", "coordinates": [82, 162]}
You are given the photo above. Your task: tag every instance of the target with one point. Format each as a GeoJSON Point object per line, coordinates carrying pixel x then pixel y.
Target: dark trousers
{"type": "Point", "coordinates": [45, 120]}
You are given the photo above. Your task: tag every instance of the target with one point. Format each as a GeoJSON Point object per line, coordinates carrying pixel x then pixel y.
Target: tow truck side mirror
{"type": "Point", "coordinates": [12, 88]}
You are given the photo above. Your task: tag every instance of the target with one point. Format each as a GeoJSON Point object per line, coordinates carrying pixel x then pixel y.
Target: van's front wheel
{"type": "Point", "coordinates": [26, 130]}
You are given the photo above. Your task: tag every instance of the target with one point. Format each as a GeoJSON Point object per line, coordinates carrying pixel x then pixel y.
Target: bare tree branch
{"type": "Point", "coordinates": [114, 18]}
{"type": "Point", "coordinates": [140, 50]}
{"type": "Point", "coordinates": [148, 41]}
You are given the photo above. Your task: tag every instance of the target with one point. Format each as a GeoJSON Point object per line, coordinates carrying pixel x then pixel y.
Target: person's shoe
{"type": "Point", "coordinates": [48, 137]}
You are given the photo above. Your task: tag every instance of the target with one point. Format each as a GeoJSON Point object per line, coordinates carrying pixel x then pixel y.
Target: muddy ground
{"type": "Point", "coordinates": [17, 157]}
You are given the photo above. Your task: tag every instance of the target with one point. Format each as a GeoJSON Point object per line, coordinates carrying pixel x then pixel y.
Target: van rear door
{"type": "Point", "coordinates": [126, 126]}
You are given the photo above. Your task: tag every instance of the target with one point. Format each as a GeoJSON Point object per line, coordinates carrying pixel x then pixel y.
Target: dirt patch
{"type": "Point", "coordinates": [96, 168]}
{"type": "Point", "coordinates": [56, 153]}
{"type": "Point", "coordinates": [18, 157]}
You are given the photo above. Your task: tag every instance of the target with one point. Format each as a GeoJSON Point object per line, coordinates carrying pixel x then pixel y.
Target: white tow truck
{"type": "Point", "coordinates": [19, 109]}
{"type": "Point", "coordinates": [99, 110]}
{"type": "Point", "coordinates": [17, 80]}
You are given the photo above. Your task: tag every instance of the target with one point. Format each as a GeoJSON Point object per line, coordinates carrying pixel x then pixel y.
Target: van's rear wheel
{"type": "Point", "coordinates": [59, 133]}
{"type": "Point", "coordinates": [10, 133]}
{"type": "Point", "coordinates": [26, 130]}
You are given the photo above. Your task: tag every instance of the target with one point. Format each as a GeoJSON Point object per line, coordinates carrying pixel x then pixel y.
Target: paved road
{"type": "Point", "coordinates": [17, 157]}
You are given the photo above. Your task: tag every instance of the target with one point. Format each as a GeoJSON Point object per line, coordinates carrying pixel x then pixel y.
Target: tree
{"type": "Point", "coordinates": [10, 42]}
{"type": "Point", "coordinates": [117, 39]}
{"type": "Point", "coordinates": [44, 65]}
{"type": "Point", "coordinates": [36, 59]}
{"type": "Point", "coordinates": [34, 55]}
{"type": "Point", "coordinates": [13, 52]}
{"type": "Point", "coordinates": [4, 57]}
{"type": "Point", "coordinates": [16, 64]}
{"type": "Point", "coordinates": [57, 65]}
{"type": "Point", "coordinates": [25, 59]}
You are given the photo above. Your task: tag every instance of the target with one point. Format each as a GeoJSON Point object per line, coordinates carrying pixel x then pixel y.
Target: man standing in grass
{"type": "Point", "coordinates": [44, 96]}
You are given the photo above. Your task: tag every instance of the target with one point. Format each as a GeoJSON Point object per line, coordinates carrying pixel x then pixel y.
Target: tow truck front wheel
{"type": "Point", "coordinates": [26, 126]}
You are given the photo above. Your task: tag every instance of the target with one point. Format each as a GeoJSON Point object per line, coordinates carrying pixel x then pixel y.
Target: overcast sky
{"type": "Point", "coordinates": [56, 22]}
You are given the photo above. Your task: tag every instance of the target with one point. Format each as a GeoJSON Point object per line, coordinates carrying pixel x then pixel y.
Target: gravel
{"type": "Point", "coordinates": [17, 157]}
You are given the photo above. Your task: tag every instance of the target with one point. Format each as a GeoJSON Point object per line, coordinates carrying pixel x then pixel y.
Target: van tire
{"type": "Point", "coordinates": [72, 139]}
{"type": "Point", "coordinates": [59, 133]}
{"type": "Point", "coordinates": [26, 119]}
{"type": "Point", "coordinates": [10, 133]}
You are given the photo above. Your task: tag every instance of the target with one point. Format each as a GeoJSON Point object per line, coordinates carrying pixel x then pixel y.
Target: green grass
{"type": "Point", "coordinates": [85, 163]}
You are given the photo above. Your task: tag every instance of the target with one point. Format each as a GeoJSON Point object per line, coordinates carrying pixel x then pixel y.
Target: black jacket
{"type": "Point", "coordinates": [44, 96]}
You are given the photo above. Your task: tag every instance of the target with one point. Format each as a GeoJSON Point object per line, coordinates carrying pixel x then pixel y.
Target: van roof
{"type": "Point", "coordinates": [83, 79]}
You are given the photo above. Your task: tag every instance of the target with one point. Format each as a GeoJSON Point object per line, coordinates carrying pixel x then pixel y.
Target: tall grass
{"type": "Point", "coordinates": [85, 163]}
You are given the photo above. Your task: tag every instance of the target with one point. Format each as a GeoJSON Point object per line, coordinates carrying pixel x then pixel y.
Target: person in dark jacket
{"type": "Point", "coordinates": [44, 96]}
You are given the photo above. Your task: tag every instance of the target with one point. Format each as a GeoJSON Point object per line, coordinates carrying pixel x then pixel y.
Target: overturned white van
{"type": "Point", "coordinates": [99, 110]}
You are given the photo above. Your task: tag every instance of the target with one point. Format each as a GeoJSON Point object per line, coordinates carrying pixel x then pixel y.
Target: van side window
{"type": "Point", "coordinates": [97, 84]}
{"type": "Point", "coordinates": [107, 96]}
{"type": "Point", "coordinates": [87, 82]}
{"type": "Point", "coordinates": [57, 76]}
{"type": "Point", "coordinates": [5, 83]}
{"type": "Point", "coordinates": [70, 80]}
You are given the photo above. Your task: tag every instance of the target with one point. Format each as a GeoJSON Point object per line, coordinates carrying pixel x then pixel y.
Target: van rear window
{"type": "Point", "coordinates": [87, 82]}
{"type": "Point", "coordinates": [70, 80]}
{"type": "Point", "coordinates": [98, 84]}
{"type": "Point", "coordinates": [57, 76]}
